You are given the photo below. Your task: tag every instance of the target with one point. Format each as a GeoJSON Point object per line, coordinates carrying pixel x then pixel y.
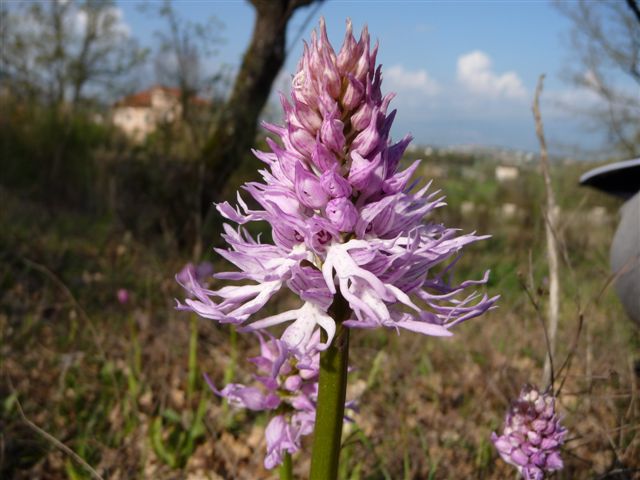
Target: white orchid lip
{"type": "Point", "coordinates": [299, 333]}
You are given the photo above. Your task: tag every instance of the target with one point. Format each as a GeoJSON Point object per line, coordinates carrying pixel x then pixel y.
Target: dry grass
{"type": "Point", "coordinates": [113, 385]}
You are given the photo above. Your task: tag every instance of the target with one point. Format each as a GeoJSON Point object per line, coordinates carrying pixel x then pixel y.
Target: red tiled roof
{"type": "Point", "coordinates": [143, 99]}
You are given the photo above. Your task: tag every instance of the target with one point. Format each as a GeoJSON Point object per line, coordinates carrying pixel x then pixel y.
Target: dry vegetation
{"type": "Point", "coordinates": [115, 384]}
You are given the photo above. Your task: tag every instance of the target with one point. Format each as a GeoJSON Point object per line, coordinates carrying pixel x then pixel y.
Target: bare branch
{"type": "Point", "coordinates": [550, 228]}
{"type": "Point", "coordinates": [48, 54]}
{"type": "Point", "coordinates": [55, 442]}
{"type": "Point", "coordinates": [605, 41]}
{"type": "Point", "coordinates": [83, 314]}
{"type": "Point", "coordinates": [312, 14]}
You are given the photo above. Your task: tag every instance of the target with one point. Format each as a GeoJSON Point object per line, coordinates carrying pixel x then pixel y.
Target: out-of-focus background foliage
{"type": "Point", "coordinates": [106, 178]}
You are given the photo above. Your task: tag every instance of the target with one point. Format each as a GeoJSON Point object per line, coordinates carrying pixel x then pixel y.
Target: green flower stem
{"type": "Point", "coordinates": [286, 468]}
{"type": "Point", "coordinates": [192, 378]}
{"type": "Point", "coordinates": [332, 391]}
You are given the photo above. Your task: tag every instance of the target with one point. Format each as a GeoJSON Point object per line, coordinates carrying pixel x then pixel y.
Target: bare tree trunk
{"type": "Point", "coordinates": [551, 228]}
{"type": "Point", "coordinates": [235, 130]}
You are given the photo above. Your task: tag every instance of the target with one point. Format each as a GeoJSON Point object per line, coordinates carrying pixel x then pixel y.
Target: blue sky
{"type": "Point", "coordinates": [464, 72]}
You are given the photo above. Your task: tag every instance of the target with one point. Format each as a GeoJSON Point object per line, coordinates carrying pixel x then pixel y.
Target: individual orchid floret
{"type": "Point", "coordinates": [532, 435]}
{"type": "Point", "coordinates": [346, 219]}
{"type": "Point", "coordinates": [193, 276]}
{"type": "Point", "coordinates": [288, 385]}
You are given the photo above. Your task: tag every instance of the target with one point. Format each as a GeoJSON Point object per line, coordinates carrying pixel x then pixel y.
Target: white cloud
{"type": "Point", "coordinates": [79, 21]}
{"type": "Point", "coordinates": [398, 78]}
{"type": "Point", "coordinates": [121, 26]}
{"type": "Point", "coordinates": [574, 97]}
{"type": "Point", "coordinates": [111, 17]}
{"type": "Point", "coordinates": [569, 103]}
{"type": "Point", "coordinates": [590, 79]}
{"type": "Point", "coordinates": [423, 28]}
{"type": "Point", "coordinates": [475, 74]}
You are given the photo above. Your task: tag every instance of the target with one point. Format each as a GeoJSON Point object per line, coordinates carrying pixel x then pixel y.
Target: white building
{"type": "Point", "coordinates": [506, 173]}
{"type": "Point", "coordinates": [139, 114]}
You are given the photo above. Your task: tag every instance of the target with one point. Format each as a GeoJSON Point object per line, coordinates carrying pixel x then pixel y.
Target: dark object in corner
{"type": "Point", "coordinates": [623, 180]}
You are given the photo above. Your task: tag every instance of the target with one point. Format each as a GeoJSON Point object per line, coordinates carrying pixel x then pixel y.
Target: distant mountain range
{"type": "Point", "coordinates": [492, 152]}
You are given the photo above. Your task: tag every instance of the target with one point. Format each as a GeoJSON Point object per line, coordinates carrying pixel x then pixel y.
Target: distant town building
{"type": "Point", "coordinates": [467, 208]}
{"type": "Point", "coordinates": [139, 114]}
{"type": "Point", "coordinates": [434, 171]}
{"type": "Point", "coordinates": [598, 216]}
{"type": "Point", "coordinates": [472, 173]}
{"type": "Point", "coordinates": [509, 210]}
{"type": "Point", "coordinates": [506, 173]}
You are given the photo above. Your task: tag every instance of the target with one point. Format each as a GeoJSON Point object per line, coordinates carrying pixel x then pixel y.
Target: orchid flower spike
{"type": "Point", "coordinates": [345, 218]}
{"type": "Point", "coordinates": [532, 435]}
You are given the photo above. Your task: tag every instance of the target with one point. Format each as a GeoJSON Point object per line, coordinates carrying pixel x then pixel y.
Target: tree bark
{"type": "Point", "coordinates": [235, 130]}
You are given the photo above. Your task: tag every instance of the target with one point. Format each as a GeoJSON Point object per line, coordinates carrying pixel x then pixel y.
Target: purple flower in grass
{"type": "Point", "coordinates": [532, 435]}
{"type": "Point", "coordinates": [345, 218]}
{"type": "Point", "coordinates": [123, 296]}
{"type": "Point", "coordinates": [288, 386]}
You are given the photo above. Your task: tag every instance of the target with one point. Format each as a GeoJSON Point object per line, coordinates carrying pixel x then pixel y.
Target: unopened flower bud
{"type": "Point", "coordinates": [335, 184]}
{"type": "Point", "coordinates": [342, 213]}
{"type": "Point", "coordinates": [308, 189]}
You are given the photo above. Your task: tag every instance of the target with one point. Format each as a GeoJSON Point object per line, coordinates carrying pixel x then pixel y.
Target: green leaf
{"type": "Point", "coordinates": [155, 434]}
{"type": "Point", "coordinates": [172, 416]}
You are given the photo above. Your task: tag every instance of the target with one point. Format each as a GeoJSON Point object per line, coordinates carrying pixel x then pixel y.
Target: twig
{"type": "Point", "coordinates": [567, 362]}
{"type": "Point", "coordinates": [634, 388]}
{"type": "Point", "coordinates": [312, 14]}
{"type": "Point", "coordinates": [587, 438]}
{"type": "Point", "coordinates": [550, 227]}
{"type": "Point", "coordinates": [612, 444]}
{"type": "Point", "coordinates": [632, 401]}
{"type": "Point", "coordinates": [536, 306]}
{"type": "Point", "coordinates": [629, 265]}
{"type": "Point", "coordinates": [53, 440]}
{"type": "Point", "coordinates": [570, 221]}
{"type": "Point", "coordinates": [617, 471]}
{"type": "Point", "coordinates": [55, 279]}
{"type": "Point", "coordinates": [589, 364]}
{"type": "Point", "coordinates": [584, 460]}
